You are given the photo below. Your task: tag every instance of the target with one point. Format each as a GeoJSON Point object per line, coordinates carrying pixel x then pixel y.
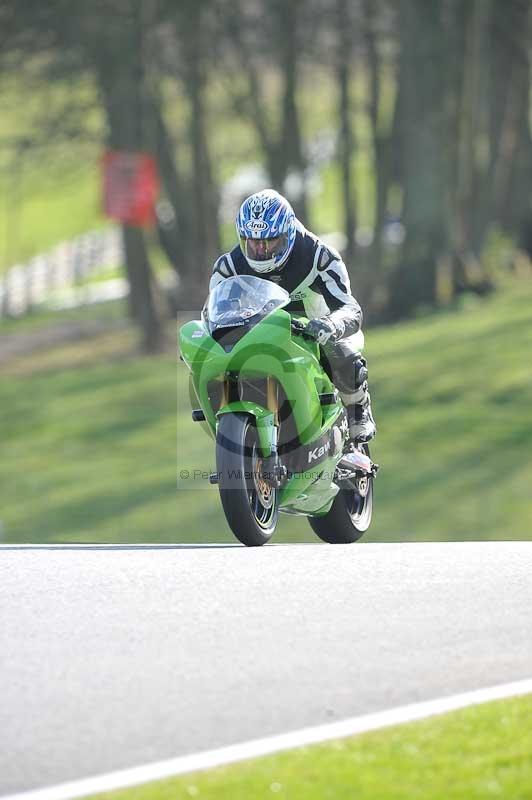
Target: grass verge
{"type": "Point", "coordinates": [477, 753]}
{"type": "Point", "coordinates": [89, 449]}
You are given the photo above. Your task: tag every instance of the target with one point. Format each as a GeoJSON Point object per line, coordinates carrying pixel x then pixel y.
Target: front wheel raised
{"type": "Point", "coordinates": [250, 504]}
{"type": "Point", "coordinates": [349, 517]}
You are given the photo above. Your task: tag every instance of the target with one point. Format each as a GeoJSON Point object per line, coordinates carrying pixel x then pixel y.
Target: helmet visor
{"type": "Point", "coordinates": [264, 249]}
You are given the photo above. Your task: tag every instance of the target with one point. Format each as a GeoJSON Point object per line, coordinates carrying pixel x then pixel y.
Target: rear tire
{"type": "Point", "coordinates": [348, 518]}
{"type": "Point", "coordinates": [251, 506]}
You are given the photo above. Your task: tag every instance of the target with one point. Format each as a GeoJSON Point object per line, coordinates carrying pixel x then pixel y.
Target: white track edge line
{"type": "Point", "coordinates": [146, 773]}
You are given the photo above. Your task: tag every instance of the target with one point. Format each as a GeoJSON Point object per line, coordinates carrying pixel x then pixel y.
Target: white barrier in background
{"type": "Point", "coordinates": [66, 265]}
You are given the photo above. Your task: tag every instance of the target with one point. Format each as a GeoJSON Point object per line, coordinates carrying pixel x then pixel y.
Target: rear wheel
{"type": "Point", "coordinates": [250, 504]}
{"type": "Point", "coordinates": [349, 516]}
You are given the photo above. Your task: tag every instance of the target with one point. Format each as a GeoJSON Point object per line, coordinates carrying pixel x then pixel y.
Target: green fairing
{"type": "Point", "coordinates": [264, 420]}
{"type": "Point", "coordinates": [270, 348]}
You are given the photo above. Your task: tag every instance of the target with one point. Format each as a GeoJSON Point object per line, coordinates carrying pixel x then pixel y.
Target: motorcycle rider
{"type": "Point", "coordinates": [274, 245]}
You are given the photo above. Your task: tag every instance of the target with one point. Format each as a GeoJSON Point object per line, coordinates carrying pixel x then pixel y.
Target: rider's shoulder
{"type": "Point", "coordinates": [222, 265]}
{"type": "Point", "coordinates": [304, 235]}
{"type": "Point", "coordinates": [324, 252]}
{"type": "Point", "coordinates": [327, 255]}
{"type": "Point", "coordinates": [307, 243]}
{"type": "Point", "coordinates": [227, 264]}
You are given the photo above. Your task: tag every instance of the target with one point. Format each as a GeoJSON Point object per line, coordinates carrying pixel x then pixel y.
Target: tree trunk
{"type": "Point", "coordinates": [512, 157]}
{"type": "Point", "coordinates": [346, 137]}
{"type": "Point", "coordinates": [423, 140]}
{"type": "Point", "coordinates": [174, 223]}
{"type": "Point", "coordinates": [462, 33]}
{"type": "Point", "coordinates": [282, 148]}
{"type": "Point", "coordinates": [117, 57]}
{"type": "Point", "coordinates": [507, 64]}
{"type": "Point", "coordinates": [204, 200]}
{"type": "Point", "coordinates": [142, 294]}
{"type": "Point", "coordinates": [290, 151]}
{"type": "Point", "coordinates": [382, 136]}
{"type": "Point", "coordinates": [250, 103]}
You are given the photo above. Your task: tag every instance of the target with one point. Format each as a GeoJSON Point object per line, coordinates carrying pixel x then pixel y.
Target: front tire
{"type": "Point", "coordinates": [250, 504]}
{"type": "Point", "coordinates": [349, 516]}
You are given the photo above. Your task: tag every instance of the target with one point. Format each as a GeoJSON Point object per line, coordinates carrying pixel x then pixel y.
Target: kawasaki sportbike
{"type": "Point", "coordinates": [280, 427]}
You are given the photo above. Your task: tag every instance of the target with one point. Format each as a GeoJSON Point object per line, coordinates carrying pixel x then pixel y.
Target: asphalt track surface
{"type": "Point", "coordinates": [112, 657]}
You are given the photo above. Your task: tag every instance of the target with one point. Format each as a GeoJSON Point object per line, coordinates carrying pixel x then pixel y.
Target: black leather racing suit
{"type": "Point", "coordinates": [318, 284]}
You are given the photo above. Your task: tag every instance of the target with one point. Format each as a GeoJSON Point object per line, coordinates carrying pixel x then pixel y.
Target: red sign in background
{"type": "Point", "coordinates": [130, 187]}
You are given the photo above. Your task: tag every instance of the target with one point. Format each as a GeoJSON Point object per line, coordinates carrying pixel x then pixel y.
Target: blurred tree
{"type": "Point", "coordinates": [173, 211]}
{"type": "Point", "coordinates": [346, 139]}
{"type": "Point", "coordinates": [191, 23]}
{"type": "Point", "coordinates": [465, 33]}
{"type": "Point", "coordinates": [267, 39]}
{"type": "Point", "coordinates": [510, 113]}
{"type": "Point", "coordinates": [423, 141]}
{"type": "Point", "coordinates": [444, 122]}
{"type": "Point", "coordinates": [105, 41]}
{"type": "Point", "coordinates": [448, 137]}
{"type": "Point", "coordinates": [116, 53]}
{"type": "Point", "coordinates": [188, 224]}
{"type": "Point", "coordinates": [378, 25]}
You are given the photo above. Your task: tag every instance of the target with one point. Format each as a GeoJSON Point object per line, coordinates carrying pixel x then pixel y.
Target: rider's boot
{"type": "Point", "coordinates": [362, 426]}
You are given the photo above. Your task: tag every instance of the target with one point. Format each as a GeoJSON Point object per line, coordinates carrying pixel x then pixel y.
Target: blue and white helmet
{"type": "Point", "coordinates": [266, 228]}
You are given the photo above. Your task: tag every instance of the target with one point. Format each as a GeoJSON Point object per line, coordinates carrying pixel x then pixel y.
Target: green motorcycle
{"type": "Point", "coordinates": [281, 430]}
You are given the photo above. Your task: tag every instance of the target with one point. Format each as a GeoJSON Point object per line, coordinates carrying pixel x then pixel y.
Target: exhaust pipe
{"type": "Point", "coordinates": [356, 462]}
{"type": "Point", "coordinates": [355, 468]}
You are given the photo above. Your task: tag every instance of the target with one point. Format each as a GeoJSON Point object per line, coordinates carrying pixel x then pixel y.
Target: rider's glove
{"type": "Point", "coordinates": [321, 329]}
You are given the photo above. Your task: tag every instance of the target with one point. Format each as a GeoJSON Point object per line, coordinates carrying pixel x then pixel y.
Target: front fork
{"type": "Point", "coordinates": [273, 471]}
{"type": "Point", "coordinates": [267, 421]}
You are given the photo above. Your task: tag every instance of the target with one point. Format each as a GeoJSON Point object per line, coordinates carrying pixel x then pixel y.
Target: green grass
{"type": "Point", "coordinates": [50, 191]}
{"type": "Point", "coordinates": [89, 434]}
{"type": "Point", "coordinates": [46, 215]}
{"type": "Point", "coordinates": [473, 754]}
{"type": "Point", "coordinates": [43, 319]}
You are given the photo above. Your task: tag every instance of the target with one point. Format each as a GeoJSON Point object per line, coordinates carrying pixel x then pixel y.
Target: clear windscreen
{"type": "Point", "coordinates": [237, 300]}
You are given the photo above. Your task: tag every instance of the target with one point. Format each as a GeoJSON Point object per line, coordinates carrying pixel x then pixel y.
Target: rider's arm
{"type": "Point", "coordinates": [345, 314]}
